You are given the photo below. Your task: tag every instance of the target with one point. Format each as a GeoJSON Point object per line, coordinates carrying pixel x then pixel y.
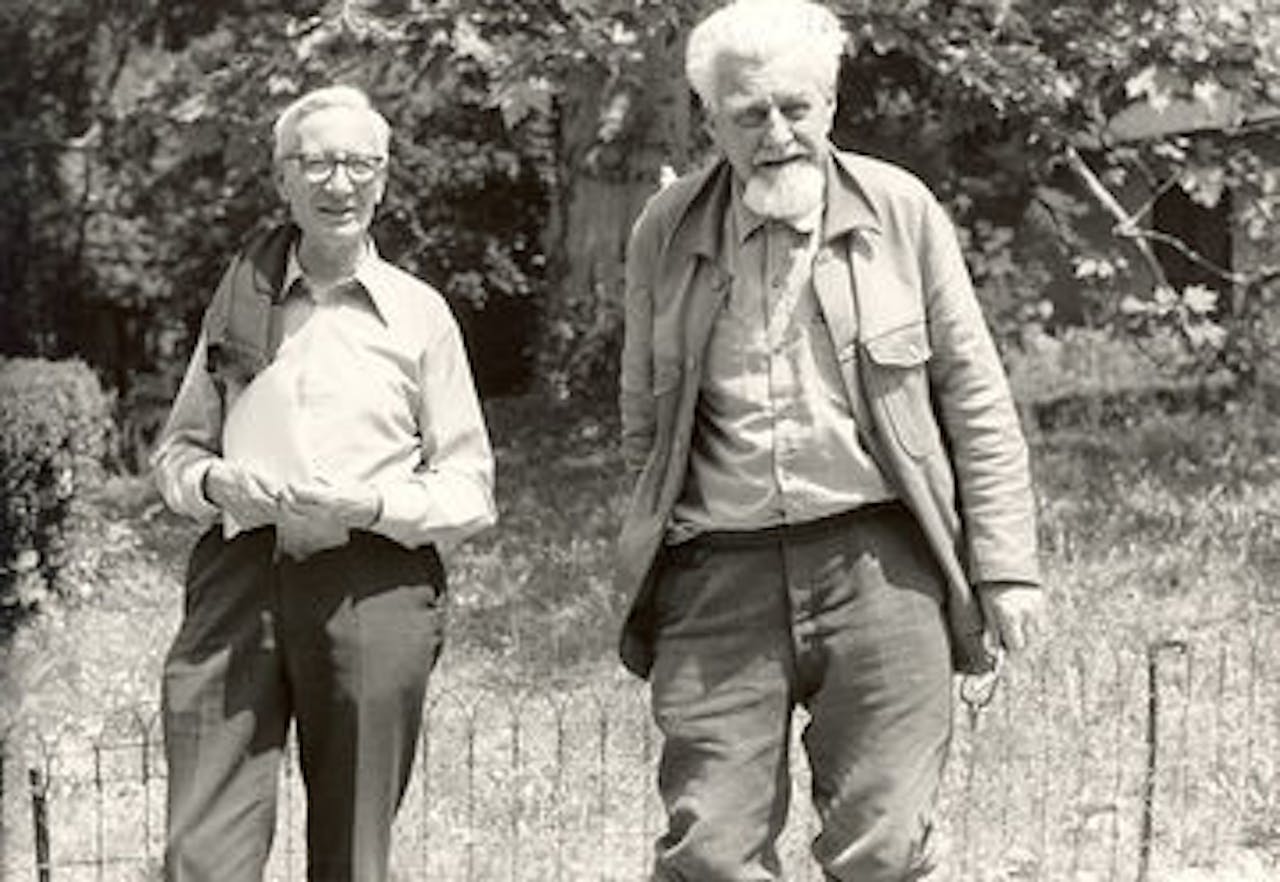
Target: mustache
{"type": "Point", "coordinates": [784, 159]}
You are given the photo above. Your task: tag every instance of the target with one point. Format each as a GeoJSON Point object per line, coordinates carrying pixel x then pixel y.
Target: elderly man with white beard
{"type": "Point", "coordinates": [833, 507]}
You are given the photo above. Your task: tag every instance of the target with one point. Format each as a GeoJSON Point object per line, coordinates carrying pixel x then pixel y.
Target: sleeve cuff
{"type": "Point", "coordinates": [411, 516]}
{"type": "Point", "coordinates": [378, 511]}
{"type": "Point", "coordinates": [197, 503]}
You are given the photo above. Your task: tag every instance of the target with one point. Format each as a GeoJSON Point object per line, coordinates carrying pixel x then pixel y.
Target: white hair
{"type": "Point", "coordinates": [327, 98]}
{"type": "Point", "coordinates": [759, 30]}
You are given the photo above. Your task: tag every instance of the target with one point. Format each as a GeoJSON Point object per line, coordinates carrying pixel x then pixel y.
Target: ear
{"type": "Point", "coordinates": [277, 178]}
{"type": "Point", "coordinates": [710, 126]}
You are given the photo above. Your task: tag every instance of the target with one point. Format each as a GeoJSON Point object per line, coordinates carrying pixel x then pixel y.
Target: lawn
{"type": "Point", "coordinates": [1158, 521]}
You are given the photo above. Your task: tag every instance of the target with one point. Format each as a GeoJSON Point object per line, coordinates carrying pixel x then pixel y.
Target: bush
{"type": "Point", "coordinates": [55, 433]}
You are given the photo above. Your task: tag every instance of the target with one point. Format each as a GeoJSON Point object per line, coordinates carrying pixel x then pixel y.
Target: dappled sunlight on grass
{"type": "Point", "coordinates": [534, 596]}
{"type": "Point", "coordinates": [1164, 526]}
{"type": "Point", "coordinates": [1171, 525]}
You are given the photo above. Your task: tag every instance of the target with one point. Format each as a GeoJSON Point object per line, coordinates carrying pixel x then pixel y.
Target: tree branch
{"type": "Point", "coordinates": [1125, 224]}
{"type": "Point", "coordinates": [1186, 251]}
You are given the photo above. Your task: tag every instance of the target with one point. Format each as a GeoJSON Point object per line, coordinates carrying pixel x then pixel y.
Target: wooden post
{"type": "Point", "coordinates": [4, 815]}
{"type": "Point", "coordinates": [40, 823]}
{"type": "Point", "coordinates": [1146, 832]}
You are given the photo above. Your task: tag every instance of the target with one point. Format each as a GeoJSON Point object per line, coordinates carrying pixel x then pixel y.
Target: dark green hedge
{"type": "Point", "coordinates": [55, 434]}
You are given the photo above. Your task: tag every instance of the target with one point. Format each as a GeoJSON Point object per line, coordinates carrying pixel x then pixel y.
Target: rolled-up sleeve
{"type": "Point", "coordinates": [450, 494]}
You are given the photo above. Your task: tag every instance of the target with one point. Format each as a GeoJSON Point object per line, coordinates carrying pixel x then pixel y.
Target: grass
{"type": "Point", "coordinates": [1158, 521]}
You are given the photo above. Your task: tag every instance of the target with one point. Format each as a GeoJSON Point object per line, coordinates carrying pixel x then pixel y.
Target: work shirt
{"type": "Point", "coordinates": [775, 439]}
{"type": "Point", "coordinates": [370, 384]}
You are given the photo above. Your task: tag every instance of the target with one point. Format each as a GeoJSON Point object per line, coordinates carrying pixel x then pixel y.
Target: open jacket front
{"type": "Point", "coordinates": [920, 370]}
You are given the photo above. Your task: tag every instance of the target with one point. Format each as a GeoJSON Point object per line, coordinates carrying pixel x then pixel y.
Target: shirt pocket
{"type": "Point", "coordinates": [898, 380]}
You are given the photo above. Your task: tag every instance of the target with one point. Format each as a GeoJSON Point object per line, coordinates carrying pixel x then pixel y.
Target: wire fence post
{"type": "Point", "coordinates": [510, 794]}
{"type": "Point", "coordinates": [1147, 829]}
{"type": "Point", "coordinates": [4, 814]}
{"type": "Point", "coordinates": [40, 823]}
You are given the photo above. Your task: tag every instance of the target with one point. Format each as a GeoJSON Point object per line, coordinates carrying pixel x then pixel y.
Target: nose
{"type": "Point", "coordinates": [777, 130]}
{"type": "Point", "coordinates": [340, 173]}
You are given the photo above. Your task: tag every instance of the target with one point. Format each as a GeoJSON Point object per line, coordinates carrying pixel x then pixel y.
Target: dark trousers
{"type": "Point", "coordinates": [842, 617]}
{"type": "Point", "coordinates": [341, 643]}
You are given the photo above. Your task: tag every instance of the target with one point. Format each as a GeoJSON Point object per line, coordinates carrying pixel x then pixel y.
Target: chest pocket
{"type": "Point", "coordinates": [898, 381]}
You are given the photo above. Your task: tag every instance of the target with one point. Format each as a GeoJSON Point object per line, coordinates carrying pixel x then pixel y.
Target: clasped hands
{"type": "Point", "coordinates": [253, 500]}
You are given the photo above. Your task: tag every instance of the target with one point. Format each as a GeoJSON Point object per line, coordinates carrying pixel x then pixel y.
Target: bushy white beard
{"type": "Point", "coordinates": [787, 192]}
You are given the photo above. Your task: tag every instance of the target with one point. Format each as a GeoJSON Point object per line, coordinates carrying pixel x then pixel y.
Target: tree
{"type": "Point", "coordinates": [63, 58]}
{"type": "Point", "coordinates": [528, 136]}
{"type": "Point", "coordinates": [1018, 94]}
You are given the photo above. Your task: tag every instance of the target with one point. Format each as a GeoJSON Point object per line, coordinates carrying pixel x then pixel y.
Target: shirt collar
{"type": "Point", "coordinates": [364, 278]}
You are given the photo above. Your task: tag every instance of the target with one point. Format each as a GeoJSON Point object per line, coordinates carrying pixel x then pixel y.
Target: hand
{"type": "Point", "coordinates": [352, 506]}
{"type": "Point", "coordinates": [251, 499]}
{"type": "Point", "coordinates": [1013, 612]}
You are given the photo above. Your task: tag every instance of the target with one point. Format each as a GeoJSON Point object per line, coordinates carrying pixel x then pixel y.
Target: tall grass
{"type": "Point", "coordinates": [1158, 520]}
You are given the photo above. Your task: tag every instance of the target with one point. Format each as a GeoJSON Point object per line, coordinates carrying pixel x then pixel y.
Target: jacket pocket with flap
{"type": "Point", "coordinates": [898, 380]}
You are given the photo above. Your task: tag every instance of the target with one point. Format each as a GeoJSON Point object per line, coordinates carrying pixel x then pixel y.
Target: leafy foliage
{"type": "Point", "coordinates": [136, 149]}
{"type": "Point", "coordinates": [55, 434]}
{"type": "Point", "coordinates": [1015, 110]}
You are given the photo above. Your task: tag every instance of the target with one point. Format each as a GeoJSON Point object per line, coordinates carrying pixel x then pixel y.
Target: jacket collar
{"type": "Point", "coordinates": [700, 228]}
{"type": "Point", "coordinates": [848, 208]}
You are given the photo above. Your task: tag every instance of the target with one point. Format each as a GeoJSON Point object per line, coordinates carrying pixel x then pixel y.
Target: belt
{"type": "Point", "coordinates": [795, 531]}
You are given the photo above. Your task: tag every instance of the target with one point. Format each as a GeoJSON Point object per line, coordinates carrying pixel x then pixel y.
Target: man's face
{"type": "Point", "coordinates": [333, 202]}
{"type": "Point", "coordinates": [772, 120]}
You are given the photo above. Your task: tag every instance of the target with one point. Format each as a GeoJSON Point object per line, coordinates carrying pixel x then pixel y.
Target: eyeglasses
{"type": "Point", "coordinates": [318, 169]}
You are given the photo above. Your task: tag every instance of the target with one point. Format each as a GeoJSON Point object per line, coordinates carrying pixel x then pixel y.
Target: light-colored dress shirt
{"type": "Point", "coordinates": [775, 440]}
{"type": "Point", "coordinates": [370, 384]}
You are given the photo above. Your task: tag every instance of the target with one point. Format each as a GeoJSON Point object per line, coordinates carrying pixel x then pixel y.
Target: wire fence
{"type": "Point", "coordinates": [1154, 762]}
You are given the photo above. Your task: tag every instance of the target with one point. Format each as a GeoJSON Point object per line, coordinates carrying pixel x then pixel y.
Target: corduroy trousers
{"type": "Point", "coordinates": [841, 617]}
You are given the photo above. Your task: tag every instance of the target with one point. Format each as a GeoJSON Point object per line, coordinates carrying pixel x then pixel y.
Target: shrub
{"type": "Point", "coordinates": [55, 432]}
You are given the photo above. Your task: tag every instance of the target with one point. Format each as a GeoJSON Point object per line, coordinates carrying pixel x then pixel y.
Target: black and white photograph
{"type": "Point", "coordinates": [640, 441]}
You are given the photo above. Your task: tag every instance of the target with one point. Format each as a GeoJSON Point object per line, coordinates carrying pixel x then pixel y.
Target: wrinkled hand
{"type": "Point", "coordinates": [350, 506]}
{"type": "Point", "coordinates": [1014, 613]}
{"type": "Point", "coordinates": [251, 499]}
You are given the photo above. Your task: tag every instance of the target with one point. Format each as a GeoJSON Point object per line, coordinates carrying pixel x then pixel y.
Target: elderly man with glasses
{"type": "Point", "coordinates": [329, 434]}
